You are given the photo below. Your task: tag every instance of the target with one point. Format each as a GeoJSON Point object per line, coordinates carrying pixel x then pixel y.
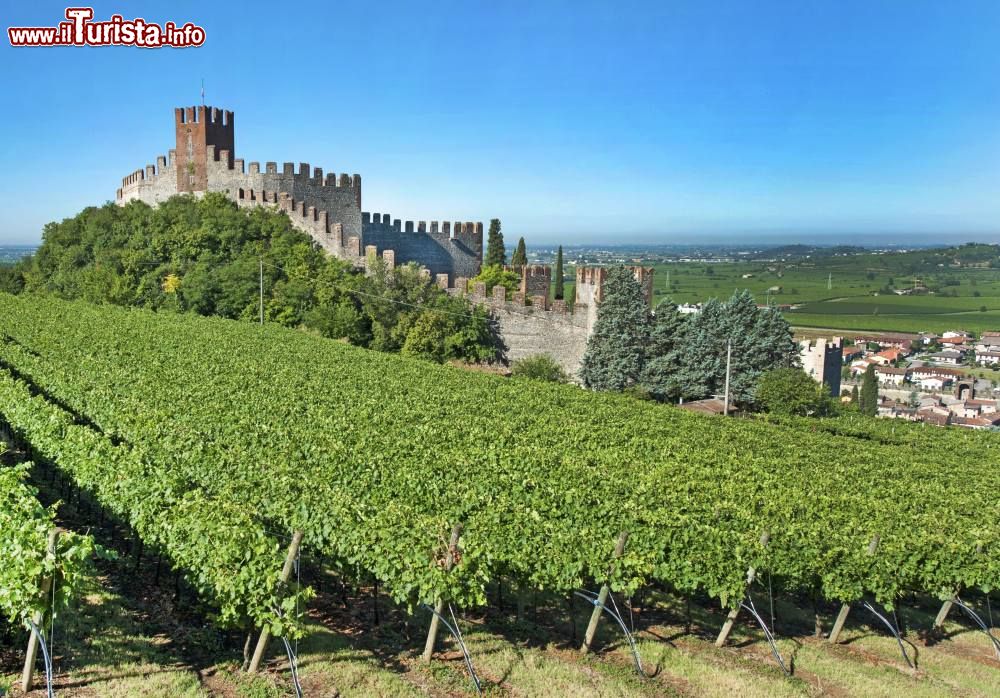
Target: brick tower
{"type": "Point", "coordinates": [197, 128]}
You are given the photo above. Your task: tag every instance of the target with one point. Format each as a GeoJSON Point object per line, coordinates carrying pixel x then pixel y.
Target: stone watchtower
{"type": "Point", "coordinates": [196, 128]}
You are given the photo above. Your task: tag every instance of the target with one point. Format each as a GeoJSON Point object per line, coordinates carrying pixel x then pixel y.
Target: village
{"type": "Point", "coordinates": [946, 379]}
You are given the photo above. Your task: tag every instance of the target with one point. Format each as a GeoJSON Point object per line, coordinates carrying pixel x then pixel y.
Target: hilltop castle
{"type": "Point", "coordinates": [328, 208]}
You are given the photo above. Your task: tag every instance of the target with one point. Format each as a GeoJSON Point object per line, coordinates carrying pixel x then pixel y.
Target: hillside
{"type": "Point", "coordinates": [374, 457]}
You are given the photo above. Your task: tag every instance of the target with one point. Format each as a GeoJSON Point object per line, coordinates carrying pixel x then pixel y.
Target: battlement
{"type": "Point", "coordinates": [325, 204]}
{"type": "Point", "coordinates": [444, 229]}
{"type": "Point", "coordinates": [204, 115]}
{"type": "Point", "coordinates": [590, 283]}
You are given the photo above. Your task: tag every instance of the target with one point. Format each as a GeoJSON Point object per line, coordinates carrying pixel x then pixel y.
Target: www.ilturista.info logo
{"type": "Point", "coordinates": [81, 31]}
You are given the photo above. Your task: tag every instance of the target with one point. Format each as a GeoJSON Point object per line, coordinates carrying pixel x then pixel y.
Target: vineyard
{"type": "Point", "coordinates": [216, 440]}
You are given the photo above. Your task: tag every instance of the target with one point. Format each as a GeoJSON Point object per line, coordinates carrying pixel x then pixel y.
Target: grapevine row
{"type": "Point", "coordinates": [375, 456]}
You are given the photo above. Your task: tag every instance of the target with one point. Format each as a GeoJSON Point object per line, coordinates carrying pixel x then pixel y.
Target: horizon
{"type": "Point", "coordinates": [573, 123]}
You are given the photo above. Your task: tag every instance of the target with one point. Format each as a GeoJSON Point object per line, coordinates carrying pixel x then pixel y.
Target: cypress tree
{"type": "Point", "coordinates": [496, 254]}
{"type": "Point", "coordinates": [520, 256]}
{"type": "Point", "coordinates": [616, 351]}
{"type": "Point", "coordinates": [855, 397]}
{"type": "Point", "coordinates": [559, 274]}
{"type": "Point", "coordinates": [869, 392]}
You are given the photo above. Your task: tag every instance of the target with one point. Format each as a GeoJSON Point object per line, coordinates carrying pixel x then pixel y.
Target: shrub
{"type": "Point", "coordinates": [539, 367]}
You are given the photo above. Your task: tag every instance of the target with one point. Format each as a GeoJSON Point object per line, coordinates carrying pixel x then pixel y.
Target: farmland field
{"type": "Point", "coordinates": [855, 292]}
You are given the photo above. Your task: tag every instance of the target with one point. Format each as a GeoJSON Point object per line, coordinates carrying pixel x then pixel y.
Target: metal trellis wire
{"type": "Point", "coordinates": [893, 630]}
{"type": "Point", "coordinates": [749, 606]}
{"type": "Point", "coordinates": [979, 621]}
{"type": "Point", "coordinates": [47, 658]}
{"type": "Point", "coordinates": [453, 629]}
{"type": "Point", "coordinates": [594, 600]}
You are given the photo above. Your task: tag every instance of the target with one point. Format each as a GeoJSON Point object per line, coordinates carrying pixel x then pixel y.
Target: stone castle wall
{"type": "Point", "coordinates": [204, 161]}
{"type": "Point", "coordinates": [531, 324]}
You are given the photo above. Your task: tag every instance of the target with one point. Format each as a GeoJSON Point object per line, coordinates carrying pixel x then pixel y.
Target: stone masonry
{"type": "Point", "coordinates": [822, 359]}
{"type": "Point", "coordinates": [327, 207]}
{"type": "Point", "coordinates": [531, 324]}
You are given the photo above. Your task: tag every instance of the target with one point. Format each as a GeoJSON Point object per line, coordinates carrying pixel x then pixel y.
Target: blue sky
{"type": "Point", "coordinates": [574, 122]}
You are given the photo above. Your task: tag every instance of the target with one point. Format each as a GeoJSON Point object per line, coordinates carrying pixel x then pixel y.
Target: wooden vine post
{"type": "Point", "coordinates": [28, 675]}
{"type": "Point", "coordinates": [286, 574]}
{"type": "Point", "coordinates": [838, 625]}
{"type": "Point", "coordinates": [942, 614]}
{"type": "Point", "coordinates": [449, 562]}
{"type": "Point", "coordinates": [727, 627]}
{"type": "Point", "coordinates": [602, 598]}
{"type": "Point", "coordinates": [946, 606]}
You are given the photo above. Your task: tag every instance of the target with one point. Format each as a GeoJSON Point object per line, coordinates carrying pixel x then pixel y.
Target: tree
{"type": "Point", "coordinates": [496, 254]}
{"type": "Point", "coordinates": [869, 392]}
{"type": "Point", "coordinates": [520, 256]}
{"type": "Point", "coordinates": [855, 397]}
{"type": "Point", "coordinates": [761, 340]}
{"type": "Point", "coordinates": [560, 291]}
{"type": "Point", "coordinates": [617, 348]}
{"type": "Point", "coordinates": [793, 392]}
{"type": "Point", "coordinates": [494, 275]}
{"type": "Point", "coordinates": [539, 367]}
{"type": "Point", "coordinates": [660, 375]}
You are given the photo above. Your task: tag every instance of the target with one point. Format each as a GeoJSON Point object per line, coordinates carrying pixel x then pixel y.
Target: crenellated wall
{"type": "Point", "coordinates": [444, 248]}
{"type": "Point", "coordinates": [204, 161]}
{"type": "Point", "coordinates": [542, 327]}
{"type": "Point", "coordinates": [531, 324]}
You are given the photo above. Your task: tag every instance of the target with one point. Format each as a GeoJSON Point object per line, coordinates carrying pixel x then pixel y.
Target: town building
{"type": "Point", "coordinates": [821, 359]}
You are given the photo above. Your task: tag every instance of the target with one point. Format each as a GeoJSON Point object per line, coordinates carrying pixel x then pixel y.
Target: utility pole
{"type": "Point", "coordinates": [262, 291]}
{"type": "Point", "coordinates": [829, 282]}
{"type": "Point", "coordinates": [729, 357]}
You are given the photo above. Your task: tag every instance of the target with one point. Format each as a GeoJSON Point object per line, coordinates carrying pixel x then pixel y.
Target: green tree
{"type": "Point", "coordinates": [761, 340]}
{"type": "Point", "coordinates": [791, 391]}
{"type": "Point", "coordinates": [560, 291]}
{"type": "Point", "coordinates": [493, 275]}
{"type": "Point", "coordinates": [661, 372]}
{"type": "Point", "coordinates": [869, 392]}
{"type": "Point", "coordinates": [617, 348]}
{"type": "Point", "coordinates": [496, 254]}
{"type": "Point", "coordinates": [520, 256]}
{"type": "Point", "coordinates": [539, 367]}
{"type": "Point", "coordinates": [855, 396]}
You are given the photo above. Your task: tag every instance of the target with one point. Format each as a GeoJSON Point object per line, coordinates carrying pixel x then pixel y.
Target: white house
{"type": "Point", "coordinates": [987, 356]}
{"type": "Point", "coordinates": [889, 375]}
{"type": "Point", "coordinates": [935, 382]}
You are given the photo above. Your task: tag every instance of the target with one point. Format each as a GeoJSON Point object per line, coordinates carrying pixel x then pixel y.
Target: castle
{"type": "Point", "coordinates": [326, 207]}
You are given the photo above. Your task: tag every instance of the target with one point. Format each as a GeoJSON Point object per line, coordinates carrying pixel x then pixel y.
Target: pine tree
{"type": "Point", "coordinates": [869, 392]}
{"type": "Point", "coordinates": [560, 291]}
{"type": "Point", "coordinates": [617, 348]}
{"type": "Point", "coordinates": [520, 257]}
{"type": "Point", "coordinates": [661, 374]}
{"type": "Point", "coordinates": [496, 254]}
{"type": "Point", "coordinates": [761, 340]}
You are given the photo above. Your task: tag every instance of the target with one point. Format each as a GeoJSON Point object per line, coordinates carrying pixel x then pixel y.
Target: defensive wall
{"type": "Point", "coordinates": [204, 161]}
{"type": "Point", "coordinates": [532, 324]}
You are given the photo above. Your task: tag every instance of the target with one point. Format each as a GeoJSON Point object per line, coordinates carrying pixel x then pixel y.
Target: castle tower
{"type": "Point", "coordinates": [821, 359]}
{"type": "Point", "coordinates": [196, 129]}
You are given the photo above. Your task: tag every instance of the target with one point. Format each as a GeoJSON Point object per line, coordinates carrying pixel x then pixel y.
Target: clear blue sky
{"type": "Point", "coordinates": [572, 121]}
